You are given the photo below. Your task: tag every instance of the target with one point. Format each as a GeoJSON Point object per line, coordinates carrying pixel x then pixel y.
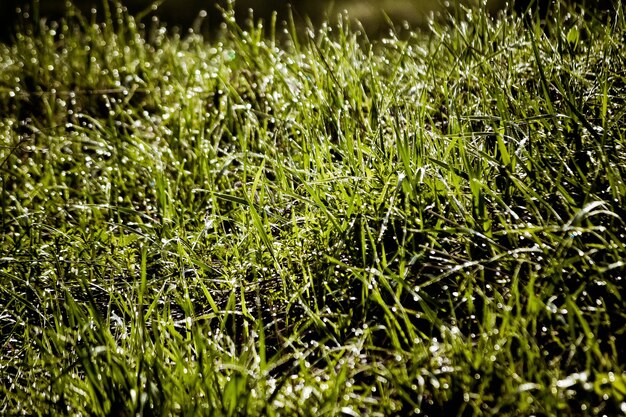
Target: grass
{"type": "Point", "coordinates": [266, 222]}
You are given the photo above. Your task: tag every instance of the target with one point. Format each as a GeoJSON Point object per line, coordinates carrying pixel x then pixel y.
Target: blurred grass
{"type": "Point", "coordinates": [276, 223]}
{"type": "Point", "coordinates": [372, 13]}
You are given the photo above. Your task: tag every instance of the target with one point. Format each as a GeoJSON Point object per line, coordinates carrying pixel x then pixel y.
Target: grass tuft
{"type": "Point", "coordinates": [282, 222]}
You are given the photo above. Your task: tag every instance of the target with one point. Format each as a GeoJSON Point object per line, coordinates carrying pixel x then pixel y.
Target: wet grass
{"type": "Point", "coordinates": [265, 223]}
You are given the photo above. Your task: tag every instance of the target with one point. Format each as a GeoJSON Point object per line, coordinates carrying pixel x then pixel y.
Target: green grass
{"type": "Point", "coordinates": [275, 223]}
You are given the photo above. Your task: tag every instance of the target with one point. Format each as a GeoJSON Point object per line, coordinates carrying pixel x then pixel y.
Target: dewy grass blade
{"type": "Point", "coordinates": [257, 221]}
{"type": "Point", "coordinates": [427, 221]}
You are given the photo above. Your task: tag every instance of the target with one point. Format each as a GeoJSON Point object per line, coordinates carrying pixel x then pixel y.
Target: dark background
{"type": "Point", "coordinates": [184, 12]}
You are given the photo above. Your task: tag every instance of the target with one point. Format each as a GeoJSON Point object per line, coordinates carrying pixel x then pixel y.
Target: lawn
{"type": "Point", "coordinates": [276, 221]}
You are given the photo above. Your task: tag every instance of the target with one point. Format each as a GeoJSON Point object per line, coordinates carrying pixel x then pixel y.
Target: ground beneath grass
{"type": "Point", "coordinates": [272, 223]}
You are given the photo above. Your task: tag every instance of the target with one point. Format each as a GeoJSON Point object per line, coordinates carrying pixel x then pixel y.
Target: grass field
{"type": "Point", "coordinates": [284, 222]}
